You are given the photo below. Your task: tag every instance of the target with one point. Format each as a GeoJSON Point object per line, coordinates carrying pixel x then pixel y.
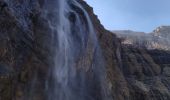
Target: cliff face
{"type": "Point", "coordinates": [145, 63]}
{"type": "Point", "coordinates": [29, 31]}
{"type": "Point", "coordinates": [146, 72]}
{"type": "Point", "coordinates": [24, 50]}
{"type": "Point", "coordinates": [158, 39]}
{"type": "Point", "coordinates": [110, 46]}
{"type": "Point", "coordinates": [137, 68]}
{"type": "Point", "coordinates": [162, 31]}
{"type": "Point", "coordinates": [27, 53]}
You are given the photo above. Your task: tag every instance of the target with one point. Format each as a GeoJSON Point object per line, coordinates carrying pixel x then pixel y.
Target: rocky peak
{"type": "Point", "coordinates": [158, 39]}
{"type": "Point", "coordinates": [162, 31]}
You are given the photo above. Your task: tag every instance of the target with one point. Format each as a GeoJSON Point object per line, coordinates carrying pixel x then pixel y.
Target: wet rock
{"type": "Point", "coordinates": [4, 71]}
{"type": "Point", "coordinates": [166, 71]}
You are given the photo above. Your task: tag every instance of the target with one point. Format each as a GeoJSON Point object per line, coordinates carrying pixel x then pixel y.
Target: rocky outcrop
{"type": "Point", "coordinates": [158, 39]}
{"type": "Point", "coordinates": [162, 31]}
{"type": "Point", "coordinates": [145, 63]}
{"type": "Point", "coordinates": [145, 72]}
{"type": "Point", "coordinates": [136, 71]}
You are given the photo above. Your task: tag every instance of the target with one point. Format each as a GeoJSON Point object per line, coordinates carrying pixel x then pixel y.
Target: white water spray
{"type": "Point", "coordinates": [78, 72]}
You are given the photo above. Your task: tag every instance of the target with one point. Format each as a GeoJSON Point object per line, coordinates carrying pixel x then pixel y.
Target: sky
{"type": "Point", "coordinates": [137, 15]}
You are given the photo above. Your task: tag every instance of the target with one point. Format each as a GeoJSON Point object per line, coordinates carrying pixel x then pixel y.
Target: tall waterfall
{"type": "Point", "coordinates": [78, 72]}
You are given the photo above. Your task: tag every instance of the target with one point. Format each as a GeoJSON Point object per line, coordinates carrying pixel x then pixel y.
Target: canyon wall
{"type": "Point", "coordinates": [27, 53]}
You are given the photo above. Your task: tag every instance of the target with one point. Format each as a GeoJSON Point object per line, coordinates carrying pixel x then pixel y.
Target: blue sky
{"type": "Point", "coordinates": [137, 15]}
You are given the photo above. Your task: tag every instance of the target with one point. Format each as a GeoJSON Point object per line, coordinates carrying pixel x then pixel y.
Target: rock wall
{"type": "Point", "coordinates": [133, 71]}
{"type": "Point", "coordinates": [158, 39]}
{"type": "Point", "coordinates": [144, 71]}
{"type": "Point", "coordinates": [26, 54]}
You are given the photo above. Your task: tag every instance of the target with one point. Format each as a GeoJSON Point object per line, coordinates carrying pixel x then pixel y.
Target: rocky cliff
{"type": "Point", "coordinates": [158, 39]}
{"type": "Point", "coordinates": [28, 33]}
{"type": "Point", "coordinates": [27, 52]}
{"type": "Point", "coordinates": [138, 71]}
{"type": "Point", "coordinates": [145, 63]}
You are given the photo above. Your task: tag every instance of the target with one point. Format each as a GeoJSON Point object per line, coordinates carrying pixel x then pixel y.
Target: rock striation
{"type": "Point", "coordinates": [145, 63]}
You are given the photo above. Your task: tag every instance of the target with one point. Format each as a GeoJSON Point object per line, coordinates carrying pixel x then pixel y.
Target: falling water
{"type": "Point", "coordinates": [78, 71]}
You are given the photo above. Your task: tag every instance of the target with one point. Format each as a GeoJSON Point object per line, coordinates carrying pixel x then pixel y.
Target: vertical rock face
{"type": "Point", "coordinates": [145, 63]}
{"type": "Point", "coordinates": [78, 71]}
{"type": "Point", "coordinates": [134, 71]}
{"type": "Point", "coordinates": [93, 65]}
{"type": "Point", "coordinates": [49, 51]}
{"type": "Point", "coordinates": [110, 46]}
{"type": "Point", "coordinates": [24, 50]}
{"type": "Point", "coordinates": [145, 73]}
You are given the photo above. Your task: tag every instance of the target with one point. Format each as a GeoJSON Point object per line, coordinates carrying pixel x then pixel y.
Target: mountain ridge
{"type": "Point", "coordinates": [158, 39]}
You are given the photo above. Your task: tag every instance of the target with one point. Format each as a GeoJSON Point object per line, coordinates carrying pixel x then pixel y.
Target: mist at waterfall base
{"type": "Point", "coordinates": [78, 72]}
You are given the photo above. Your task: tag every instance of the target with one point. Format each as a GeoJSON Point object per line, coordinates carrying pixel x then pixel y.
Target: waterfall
{"type": "Point", "coordinates": [78, 72]}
